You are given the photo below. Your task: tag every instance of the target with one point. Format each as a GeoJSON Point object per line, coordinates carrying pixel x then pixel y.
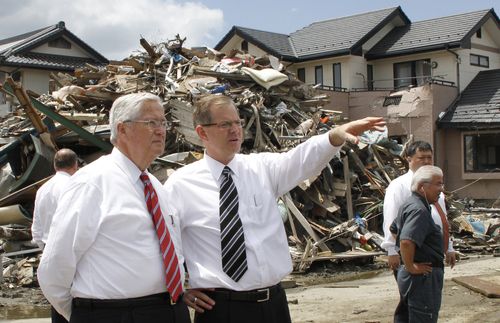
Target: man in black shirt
{"type": "Point", "coordinates": [420, 243]}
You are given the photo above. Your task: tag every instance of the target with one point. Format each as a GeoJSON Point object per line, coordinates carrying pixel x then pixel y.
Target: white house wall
{"type": "Point", "coordinates": [383, 69]}
{"type": "Point", "coordinates": [484, 46]}
{"type": "Point", "coordinates": [75, 50]}
{"type": "Point", "coordinates": [350, 65]}
{"type": "Point", "coordinates": [36, 80]}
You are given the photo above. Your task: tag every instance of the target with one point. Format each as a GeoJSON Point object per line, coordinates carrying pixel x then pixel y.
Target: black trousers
{"type": "Point", "coordinates": [268, 305]}
{"type": "Point", "coordinates": [149, 309]}
{"type": "Point", "coordinates": [56, 317]}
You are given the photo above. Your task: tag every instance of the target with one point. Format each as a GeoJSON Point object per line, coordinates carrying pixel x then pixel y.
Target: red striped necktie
{"type": "Point", "coordinates": [446, 227]}
{"type": "Point", "coordinates": [172, 270]}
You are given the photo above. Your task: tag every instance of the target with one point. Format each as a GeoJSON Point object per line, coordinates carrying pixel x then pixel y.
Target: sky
{"type": "Point", "coordinates": [114, 27]}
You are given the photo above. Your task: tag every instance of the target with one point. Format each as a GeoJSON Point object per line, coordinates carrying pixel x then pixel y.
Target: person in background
{"type": "Point", "coordinates": [235, 243]}
{"type": "Point", "coordinates": [47, 197]}
{"type": "Point", "coordinates": [418, 154]}
{"type": "Point", "coordinates": [110, 255]}
{"type": "Point", "coordinates": [421, 246]}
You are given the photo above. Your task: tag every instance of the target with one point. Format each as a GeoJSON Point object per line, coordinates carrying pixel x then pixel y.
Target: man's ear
{"type": "Point", "coordinates": [121, 128]}
{"type": "Point", "coordinates": [201, 132]}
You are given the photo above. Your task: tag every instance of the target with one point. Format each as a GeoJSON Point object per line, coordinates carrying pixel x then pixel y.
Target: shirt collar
{"type": "Point", "coordinates": [126, 165]}
{"type": "Point", "coordinates": [422, 199]}
{"type": "Point", "coordinates": [216, 167]}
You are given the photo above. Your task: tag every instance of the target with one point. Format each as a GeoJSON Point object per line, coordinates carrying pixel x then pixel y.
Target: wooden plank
{"type": "Point", "coordinates": [347, 177]}
{"type": "Point", "coordinates": [296, 212]}
{"type": "Point", "coordinates": [488, 285]}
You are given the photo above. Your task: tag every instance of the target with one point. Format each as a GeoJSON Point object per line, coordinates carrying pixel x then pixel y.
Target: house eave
{"type": "Point", "coordinates": [465, 126]}
{"type": "Point", "coordinates": [412, 51]}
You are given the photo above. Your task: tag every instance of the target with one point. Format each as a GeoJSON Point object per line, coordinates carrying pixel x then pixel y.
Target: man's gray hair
{"type": "Point", "coordinates": [424, 175]}
{"type": "Point", "coordinates": [128, 107]}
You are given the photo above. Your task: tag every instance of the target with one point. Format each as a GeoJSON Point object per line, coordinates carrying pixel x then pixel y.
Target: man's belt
{"type": "Point", "coordinates": [155, 299]}
{"type": "Point", "coordinates": [256, 295]}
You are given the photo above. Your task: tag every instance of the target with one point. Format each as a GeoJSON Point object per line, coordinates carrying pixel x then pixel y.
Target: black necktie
{"type": "Point", "coordinates": [234, 257]}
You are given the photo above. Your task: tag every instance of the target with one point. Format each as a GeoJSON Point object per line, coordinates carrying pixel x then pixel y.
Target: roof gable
{"type": "Point", "coordinates": [13, 48]}
{"type": "Point", "coordinates": [274, 43]}
{"type": "Point", "coordinates": [479, 104]}
{"type": "Point", "coordinates": [324, 38]}
{"type": "Point", "coordinates": [341, 35]}
{"type": "Point", "coordinates": [432, 34]}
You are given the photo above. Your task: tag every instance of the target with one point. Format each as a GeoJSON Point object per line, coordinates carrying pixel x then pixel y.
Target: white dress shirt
{"type": "Point", "coordinates": [395, 195]}
{"type": "Point", "coordinates": [45, 206]}
{"type": "Point", "coordinates": [260, 179]}
{"type": "Point", "coordinates": [103, 243]}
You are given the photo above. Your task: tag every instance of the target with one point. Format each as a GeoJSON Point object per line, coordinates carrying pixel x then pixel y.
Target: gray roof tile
{"type": "Point", "coordinates": [320, 39]}
{"type": "Point", "coordinates": [279, 43]}
{"type": "Point", "coordinates": [479, 104]}
{"type": "Point", "coordinates": [339, 34]}
{"type": "Point", "coordinates": [56, 62]}
{"type": "Point", "coordinates": [427, 34]}
{"type": "Point", "coordinates": [15, 48]}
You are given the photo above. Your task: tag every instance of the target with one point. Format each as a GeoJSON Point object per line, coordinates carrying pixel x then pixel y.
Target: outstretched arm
{"type": "Point", "coordinates": [351, 130]}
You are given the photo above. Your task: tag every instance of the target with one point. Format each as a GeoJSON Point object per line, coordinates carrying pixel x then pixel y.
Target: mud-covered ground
{"type": "Point", "coordinates": [331, 292]}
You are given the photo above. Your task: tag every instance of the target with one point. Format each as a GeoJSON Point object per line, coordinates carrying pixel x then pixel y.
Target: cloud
{"type": "Point", "coordinates": [114, 27]}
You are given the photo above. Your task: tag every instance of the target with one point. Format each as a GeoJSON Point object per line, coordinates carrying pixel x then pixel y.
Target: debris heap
{"type": "Point", "coordinates": [333, 216]}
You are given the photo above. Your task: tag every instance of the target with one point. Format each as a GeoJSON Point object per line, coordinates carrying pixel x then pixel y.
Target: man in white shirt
{"type": "Point", "coordinates": [418, 154]}
{"type": "Point", "coordinates": [65, 165]}
{"type": "Point", "coordinates": [235, 266]}
{"type": "Point", "coordinates": [103, 261]}
{"type": "Point", "coordinates": [47, 196]}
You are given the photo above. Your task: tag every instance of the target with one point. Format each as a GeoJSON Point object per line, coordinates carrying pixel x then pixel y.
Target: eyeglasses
{"type": "Point", "coordinates": [435, 184]}
{"type": "Point", "coordinates": [226, 124]}
{"type": "Point", "coordinates": [153, 124]}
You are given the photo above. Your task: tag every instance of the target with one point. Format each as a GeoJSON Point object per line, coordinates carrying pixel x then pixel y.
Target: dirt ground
{"type": "Point", "coordinates": [373, 299]}
{"type": "Point", "coordinates": [332, 293]}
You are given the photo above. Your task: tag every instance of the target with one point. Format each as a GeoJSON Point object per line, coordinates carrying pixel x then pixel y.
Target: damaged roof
{"type": "Point", "coordinates": [433, 34]}
{"type": "Point", "coordinates": [276, 44]}
{"type": "Point", "coordinates": [333, 37]}
{"type": "Point", "coordinates": [478, 106]}
{"type": "Point", "coordinates": [18, 50]}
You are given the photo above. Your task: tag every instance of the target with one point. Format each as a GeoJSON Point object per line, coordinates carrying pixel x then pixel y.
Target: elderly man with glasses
{"type": "Point", "coordinates": [234, 240]}
{"type": "Point", "coordinates": [110, 255]}
{"type": "Point", "coordinates": [421, 246]}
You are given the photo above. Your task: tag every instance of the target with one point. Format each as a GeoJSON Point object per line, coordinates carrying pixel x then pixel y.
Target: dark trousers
{"type": "Point", "coordinates": [401, 311]}
{"type": "Point", "coordinates": [148, 309]}
{"type": "Point", "coordinates": [56, 317]}
{"type": "Point", "coordinates": [422, 295]}
{"type": "Point", "coordinates": [247, 307]}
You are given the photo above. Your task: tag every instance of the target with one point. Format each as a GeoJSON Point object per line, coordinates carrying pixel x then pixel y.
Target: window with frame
{"type": "Point", "coordinates": [482, 153]}
{"type": "Point", "coordinates": [244, 46]}
{"type": "Point", "coordinates": [479, 60]}
{"type": "Point", "coordinates": [337, 76]}
{"type": "Point", "coordinates": [301, 74]}
{"type": "Point", "coordinates": [318, 75]}
{"type": "Point", "coordinates": [478, 33]}
{"type": "Point", "coordinates": [369, 81]}
{"type": "Point", "coordinates": [59, 43]}
{"type": "Point", "coordinates": [415, 73]}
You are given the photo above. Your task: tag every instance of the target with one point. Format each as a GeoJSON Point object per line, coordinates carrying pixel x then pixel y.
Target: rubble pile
{"type": "Point", "coordinates": [333, 216]}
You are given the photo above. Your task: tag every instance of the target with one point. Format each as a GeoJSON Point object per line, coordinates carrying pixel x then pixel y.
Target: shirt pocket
{"type": "Point", "coordinates": [255, 203]}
